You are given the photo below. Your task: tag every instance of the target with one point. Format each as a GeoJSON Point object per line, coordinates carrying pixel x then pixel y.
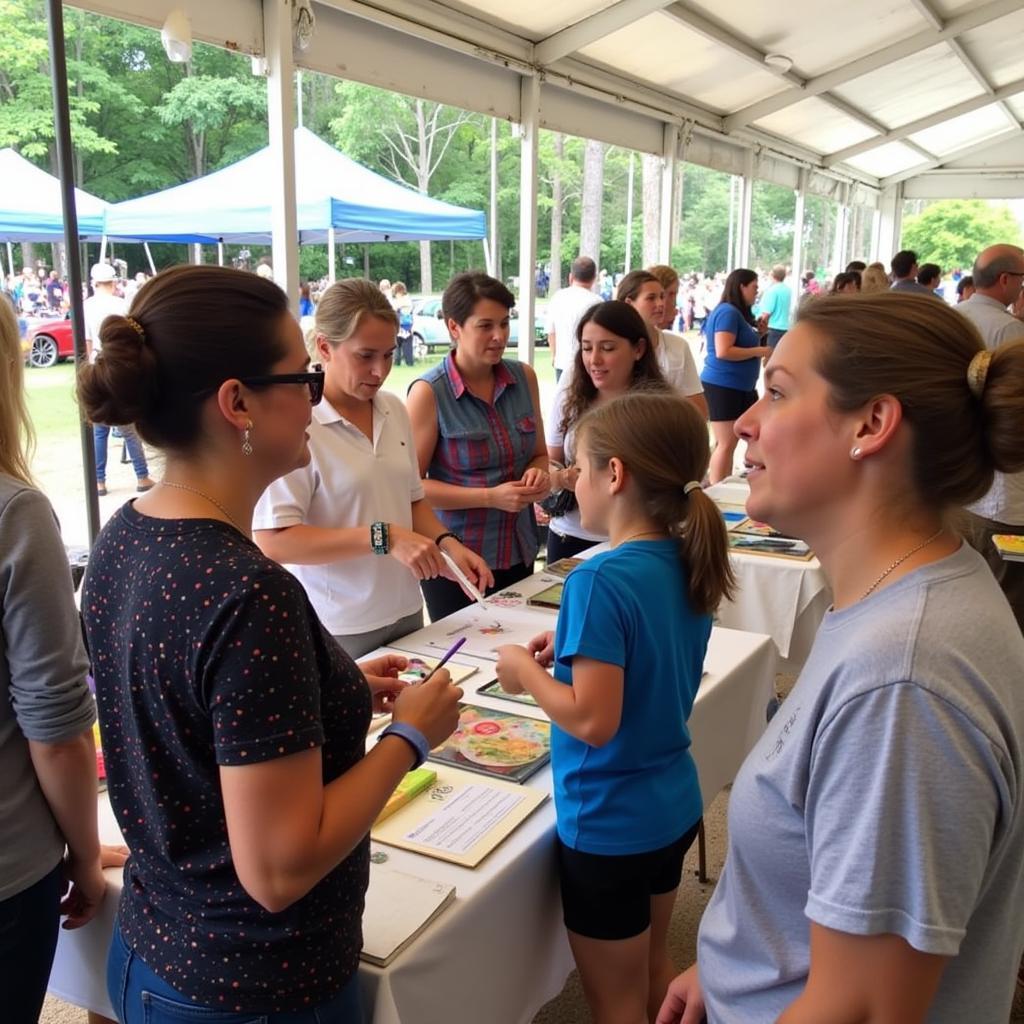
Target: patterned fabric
{"type": "Point", "coordinates": [483, 444]}
{"type": "Point", "coordinates": [206, 653]}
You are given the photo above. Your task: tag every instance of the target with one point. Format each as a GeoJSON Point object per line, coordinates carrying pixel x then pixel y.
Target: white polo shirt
{"type": "Point", "coordinates": [565, 311]}
{"type": "Point", "coordinates": [351, 481]}
{"type": "Point", "coordinates": [677, 364]}
{"type": "Point", "coordinates": [95, 310]}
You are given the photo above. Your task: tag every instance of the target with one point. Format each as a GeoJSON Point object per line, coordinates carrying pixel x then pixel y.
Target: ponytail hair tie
{"type": "Point", "coordinates": [693, 485]}
{"type": "Point", "coordinates": [136, 327]}
{"type": "Point", "coordinates": [977, 371]}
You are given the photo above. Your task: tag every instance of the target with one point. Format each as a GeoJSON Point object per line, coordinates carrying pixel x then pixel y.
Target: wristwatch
{"type": "Point", "coordinates": [412, 736]}
{"type": "Point", "coordinates": [380, 538]}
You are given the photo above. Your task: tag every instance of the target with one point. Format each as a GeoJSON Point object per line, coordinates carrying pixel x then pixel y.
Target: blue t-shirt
{"type": "Point", "coordinates": [726, 373]}
{"type": "Point", "coordinates": [776, 303]}
{"type": "Point", "coordinates": [638, 792]}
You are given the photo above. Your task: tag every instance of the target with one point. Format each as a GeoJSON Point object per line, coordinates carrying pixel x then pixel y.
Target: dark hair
{"type": "Point", "coordinates": [927, 272]}
{"type": "Point", "coordinates": [583, 269]}
{"type": "Point", "coordinates": [903, 262]}
{"type": "Point", "coordinates": [964, 283]}
{"type": "Point", "coordinates": [465, 290]}
{"type": "Point", "coordinates": [918, 350]}
{"type": "Point", "coordinates": [200, 326]}
{"type": "Point", "coordinates": [622, 320]}
{"type": "Point", "coordinates": [630, 285]}
{"type": "Point", "coordinates": [663, 441]}
{"type": "Point", "coordinates": [840, 281]}
{"type": "Point", "coordinates": [858, 265]}
{"type": "Point", "coordinates": [731, 293]}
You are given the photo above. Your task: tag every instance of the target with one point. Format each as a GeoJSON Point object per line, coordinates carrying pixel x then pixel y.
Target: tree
{"type": "Point", "coordinates": [651, 207]}
{"type": "Point", "coordinates": [951, 232]}
{"type": "Point", "coordinates": [593, 200]}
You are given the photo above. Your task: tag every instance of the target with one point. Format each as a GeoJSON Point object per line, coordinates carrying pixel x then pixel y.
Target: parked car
{"type": "Point", "coordinates": [430, 334]}
{"type": "Point", "coordinates": [48, 342]}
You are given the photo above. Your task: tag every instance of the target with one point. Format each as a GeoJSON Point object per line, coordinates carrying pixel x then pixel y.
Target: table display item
{"type": "Point", "coordinates": [484, 633]}
{"type": "Point", "coordinates": [1010, 546]}
{"type": "Point", "coordinates": [412, 784]}
{"type": "Point", "coordinates": [398, 908]}
{"type": "Point", "coordinates": [551, 597]}
{"type": "Point", "coordinates": [755, 538]}
{"type": "Point", "coordinates": [496, 743]}
{"type": "Point", "coordinates": [493, 689]}
{"type": "Point", "coordinates": [563, 566]}
{"type": "Point", "coordinates": [461, 818]}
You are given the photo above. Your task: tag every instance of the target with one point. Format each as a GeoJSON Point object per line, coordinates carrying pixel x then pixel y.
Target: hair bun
{"type": "Point", "coordinates": [1002, 403]}
{"type": "Point", "coordinates": [120, 386]}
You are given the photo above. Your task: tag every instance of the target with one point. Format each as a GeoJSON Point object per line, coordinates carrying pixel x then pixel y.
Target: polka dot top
{"type": "Point", "coordinates": [207, 653]}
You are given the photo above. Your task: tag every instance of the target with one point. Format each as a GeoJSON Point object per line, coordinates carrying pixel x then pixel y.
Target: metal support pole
{"type": "Point", "coordinates": [797, 270]}
{"type": "Point", "coordinates": [66, 165]}
{"type": "Point", "coordinates": [670, 151]}
{"type": "Point", "coordinates": [890, 222]}
{"type": "Point", "coordinates": [745, 211]}
{"type": "Point", "coordinates": [149, 256]}
{"type": "Point", "coordinates": [491, 251]}
{"type": "Point", "coordinates": [277, 45]}
{"type": "Point", "coordinates": [629, 212]}
{"type": "Point", "coordinates": [529, 119]}
{"type": "Point", "coordinates": [220, 252]}
{"type": "Point", "coordinates": [331, 272]}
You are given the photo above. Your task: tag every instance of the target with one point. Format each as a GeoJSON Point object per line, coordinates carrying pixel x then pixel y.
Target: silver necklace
{"type": "Point", "coordinates": [900, 561]}
{"type": "Point", "coordinates": [202, 494]}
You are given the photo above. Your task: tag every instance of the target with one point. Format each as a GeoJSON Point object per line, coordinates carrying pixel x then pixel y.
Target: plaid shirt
{"type": "Point", "coordinates": [483, 444]}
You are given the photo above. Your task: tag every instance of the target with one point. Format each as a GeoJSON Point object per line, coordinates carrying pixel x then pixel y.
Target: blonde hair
{"type": "Point", "coordinates": [663, 443]}
{"type": "Point", "coordinates": [345, 303]}
{"type": "Point", "coordinates": [874, 279]}
{"type": "Point", "coordinates": [666, 275]}
{"type": "Point", "coordinates": [919, 350]}
{"type": "Point", "coordinates": [17, 437]}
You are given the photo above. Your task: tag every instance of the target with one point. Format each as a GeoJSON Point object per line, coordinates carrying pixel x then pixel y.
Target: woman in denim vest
{"type": "Point", "coordinates": [480, 441]}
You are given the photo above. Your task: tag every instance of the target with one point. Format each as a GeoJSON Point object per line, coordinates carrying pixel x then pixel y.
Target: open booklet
{"type": "Point", "coordinates": [398, 908]}
{"type": "Point", "coordinates": [461, 818]}
{"type": "Point", "coordinates": [496, 743]}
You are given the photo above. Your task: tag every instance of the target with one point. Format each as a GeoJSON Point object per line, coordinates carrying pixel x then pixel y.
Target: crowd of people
{"type": "Point", "coordinates": [305, 516]}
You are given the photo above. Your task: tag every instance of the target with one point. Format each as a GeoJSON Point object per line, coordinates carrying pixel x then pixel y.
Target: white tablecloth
{"type": "Point", "coordinates": [782, 597]}
{"type": "Point", "coordinates": [499, 952]}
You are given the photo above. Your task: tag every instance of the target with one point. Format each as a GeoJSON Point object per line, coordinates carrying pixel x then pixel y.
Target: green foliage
{"type": "Point", "coordinates": [952, 232]}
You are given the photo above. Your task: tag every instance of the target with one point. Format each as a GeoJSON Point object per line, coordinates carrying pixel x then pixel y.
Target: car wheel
{"type": "Point", "coordinates": [43, 352]}
{"type": "Point", "coordinates": [420, 349]}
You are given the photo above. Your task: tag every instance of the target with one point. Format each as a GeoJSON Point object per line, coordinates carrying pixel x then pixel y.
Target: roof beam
{"type": "Point", "coordinates": [957, 154]}
{"type": "Point", "coordinates": [956, 26]}
{"type": "Point", "coordinates": [980, 77]}
{"type": "Point", "coordinates": [589, 30]}
{"type": "Point", "coordinates": [858, 115]}
{"type": "Point", "coordinates": [717, 34]}
{"type": "Point", "coordinates": [897, 134]}
{"type": "Point", "coordinates": [928, 13]}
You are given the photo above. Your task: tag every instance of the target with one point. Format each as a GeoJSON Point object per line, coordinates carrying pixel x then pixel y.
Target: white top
{"type": "Point", "coordinates": [1005, 500]}
{"type": "Point", "coordinates": [352, 482]}
{"type": "Point", "coordinates": [569, 524]}
{"type": "Point", "coordinates": [95, 310]}
{"type": "Point", "coordinates": [677, 364]}
{"type": "Point", "coordinates": [564, 313]}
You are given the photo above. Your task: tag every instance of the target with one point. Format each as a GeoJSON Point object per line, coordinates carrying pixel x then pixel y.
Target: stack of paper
{"type": "Point", "coordinates": [398, 908]}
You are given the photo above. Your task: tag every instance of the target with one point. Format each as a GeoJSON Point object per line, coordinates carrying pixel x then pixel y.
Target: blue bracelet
{"type": "Point", "coordinates": [412, 736]}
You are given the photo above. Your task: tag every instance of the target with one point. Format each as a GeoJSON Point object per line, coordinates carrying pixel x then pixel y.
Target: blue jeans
{"type": "Point", "coordinates": [28, 937]}
{"type": "Point", "coordinates": [139, 996]}
{"type": "Point", "coordinates": [135, 452]}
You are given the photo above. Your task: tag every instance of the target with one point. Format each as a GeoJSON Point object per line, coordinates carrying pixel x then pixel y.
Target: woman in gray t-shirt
{"type": "Point", "coordinates": [876, 831]}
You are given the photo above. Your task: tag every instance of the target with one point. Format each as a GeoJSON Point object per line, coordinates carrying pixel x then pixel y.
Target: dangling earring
{"type": "Point", "coordinates": [855, 453]}
{"type": "Point", "coordinates": [247, 438]}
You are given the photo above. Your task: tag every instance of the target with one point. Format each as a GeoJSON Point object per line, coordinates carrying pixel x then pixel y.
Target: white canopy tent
{"type": "Point", "coordinates": [866, 105]}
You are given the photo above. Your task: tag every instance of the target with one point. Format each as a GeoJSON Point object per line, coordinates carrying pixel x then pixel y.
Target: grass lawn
{"type": "Point", "coordinates": [57, 464]}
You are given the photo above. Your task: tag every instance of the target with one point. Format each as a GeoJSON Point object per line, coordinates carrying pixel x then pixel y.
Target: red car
{"type": "Point", "coordinates": [48, 342]}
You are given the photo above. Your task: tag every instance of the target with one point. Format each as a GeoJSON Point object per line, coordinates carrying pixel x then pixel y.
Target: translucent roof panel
{"type": "Point", "coordinates": [814, 37]}
{"type": "Point", "coordinates": [1016, 104]}
{"type": "Point", "coordinates": [659, 49]}
{"type": "Point", "coordinates": [997, 50]}
{"type": "Point", "coordinates": [947, 8]}
{"type": "Point", "coordinates": [963, 131]}
{"type": "Point", "coordinates": [533, 19]}
{"type": "Point", "coordinates": [913, 87]}
{"type": "Point", "coordinates": [892, 158]}
{"type": "Point", "coordinates": [815, 123]}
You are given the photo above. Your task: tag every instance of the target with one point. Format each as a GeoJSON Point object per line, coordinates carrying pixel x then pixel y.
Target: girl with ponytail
{"type": "Point", "coordinates": [628, 656]}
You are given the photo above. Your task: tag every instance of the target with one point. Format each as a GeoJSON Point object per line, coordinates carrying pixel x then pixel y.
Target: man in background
{"type": "Point", "coordinates": [904, 273]}
{"type": "Point", "coordinates": [777, 302]}
{"type": "Point", "coordinates": [566, 309]}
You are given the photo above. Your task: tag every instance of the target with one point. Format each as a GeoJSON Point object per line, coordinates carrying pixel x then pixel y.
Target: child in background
{"type": "Point", "coordinates": [628, 656]}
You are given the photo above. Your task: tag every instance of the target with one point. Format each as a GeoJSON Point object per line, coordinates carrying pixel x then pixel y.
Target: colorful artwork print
{"type": "Point", "coordinates": [564, 566]}
{"type": "Point", "coordinates": [496, 743]}
{"type": "Point", "coordinates": [493, 689]}
{"type": "Point", "coordinates": [549, 598]}
{"type": "Point", "coordinates": [506, 599]}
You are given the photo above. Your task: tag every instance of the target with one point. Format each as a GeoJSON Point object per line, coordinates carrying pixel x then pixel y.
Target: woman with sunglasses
{"type": "Point", "coordinates": [234, 727]}
{"type": "Point", "coordinates": [353, 523]}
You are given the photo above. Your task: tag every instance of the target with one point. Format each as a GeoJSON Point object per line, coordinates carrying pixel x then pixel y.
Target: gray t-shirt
{"type": "Point", "coordinates": [886, 796]}
{"type": "Point", "coordinates": [43, 693]}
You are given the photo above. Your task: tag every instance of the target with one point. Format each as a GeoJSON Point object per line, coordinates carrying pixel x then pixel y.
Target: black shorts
{"type": "Point", "coordinates": [609, 897]}
{"type": "Point", "coordinates": [727, 404]}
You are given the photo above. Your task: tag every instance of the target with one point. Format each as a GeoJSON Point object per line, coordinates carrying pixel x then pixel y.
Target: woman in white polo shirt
{"type": "Point", "coordinates": [354, 525]}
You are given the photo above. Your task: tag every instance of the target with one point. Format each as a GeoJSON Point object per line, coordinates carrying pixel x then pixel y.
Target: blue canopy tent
{"type": "Point", "coordinates": [30, 204]}
{"type": "Point", "coordinates": [332, 192]}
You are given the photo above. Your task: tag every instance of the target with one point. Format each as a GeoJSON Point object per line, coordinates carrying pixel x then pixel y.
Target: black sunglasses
{"type": "Point", "coordinates": [313, 379]}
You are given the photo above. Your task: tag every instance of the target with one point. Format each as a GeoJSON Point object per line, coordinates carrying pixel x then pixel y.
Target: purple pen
{"type": "Point", "coordinates": [447, 654]}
